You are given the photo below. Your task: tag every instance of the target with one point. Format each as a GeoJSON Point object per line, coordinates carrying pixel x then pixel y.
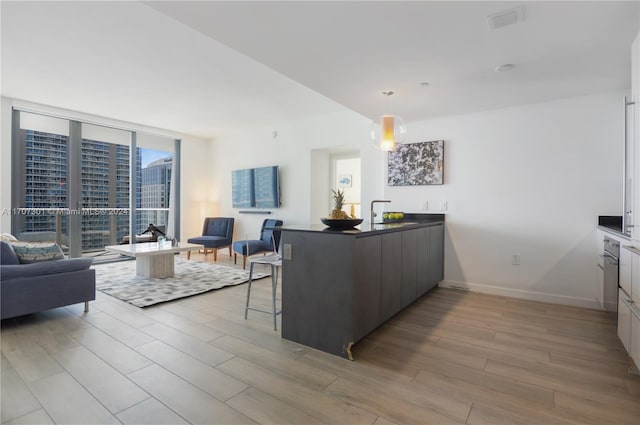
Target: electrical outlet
{"type": "Point", "coordinates": [425, 206]}
{"type": "Point", "coordinates": [515, 259]}
{"type": "Point", "coordinates": [443, 206]}
{"type": "Point", "coordinates": [287, 251]}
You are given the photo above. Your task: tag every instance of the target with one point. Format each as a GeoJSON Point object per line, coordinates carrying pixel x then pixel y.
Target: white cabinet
{"type": "Point", "coordinates": [633, 145]}
{"type": "Point", "coordinates": [624, 321]}
{"type": "Point", "coordinates": [629, 301]}
{"type": "Point", "coordinates": [635, 278]}
{"type": "Point", "coordinates": [634, 350]}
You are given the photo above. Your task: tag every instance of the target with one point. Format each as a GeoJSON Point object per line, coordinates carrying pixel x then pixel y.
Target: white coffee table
{"type": "Point", "coordinates": [153, 260]}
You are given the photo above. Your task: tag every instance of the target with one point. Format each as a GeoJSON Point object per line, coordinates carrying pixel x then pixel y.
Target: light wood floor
{"type": "Point", "coordinates": [452, 357]}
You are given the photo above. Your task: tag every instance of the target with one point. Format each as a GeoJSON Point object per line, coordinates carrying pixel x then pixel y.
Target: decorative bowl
{"type": "Point", "coordinates": [341, 224]}
{"type": "Point", "coordinates": [392, 220]}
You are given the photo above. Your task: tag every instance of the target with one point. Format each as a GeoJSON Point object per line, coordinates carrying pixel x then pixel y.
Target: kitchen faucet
{"type": "Point", "coordinates": [373, 214]}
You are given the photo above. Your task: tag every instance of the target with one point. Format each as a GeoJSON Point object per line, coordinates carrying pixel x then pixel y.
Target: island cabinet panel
{"type": "Point", "coordinates": [424, 263]}
{"type": "Point", "coordinates": [366, 301]}
{"type": "Point", "coordinates": [390, 275]}
{"type": "Point", "coordinates": [338, 286]}
{"type": "Point", "coordinates": [317, 304]}
{"type": "Point", "coordinates": [409, 266]}
{"type": "Point", "coordinates": [436, 255]}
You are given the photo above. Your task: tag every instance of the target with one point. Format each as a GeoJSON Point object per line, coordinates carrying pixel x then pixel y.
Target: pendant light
{"type": "Point", "coordinates": [389, 131]}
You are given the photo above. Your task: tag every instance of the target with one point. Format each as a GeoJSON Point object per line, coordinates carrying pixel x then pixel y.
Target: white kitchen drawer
{"type": "Point", "coordinates": [624, 321]}
{"type": "Point", "coordinates": [635, 277]}
{"type": "Point", "coordinates": [634, 351]}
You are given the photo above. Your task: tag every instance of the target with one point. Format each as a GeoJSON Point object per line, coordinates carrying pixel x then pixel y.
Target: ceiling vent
{"type": "Point", "coordinates": [505, 18]}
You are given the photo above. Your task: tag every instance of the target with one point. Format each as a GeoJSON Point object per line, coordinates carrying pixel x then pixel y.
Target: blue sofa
{"type": "Point", "coordinates": [30, 288]}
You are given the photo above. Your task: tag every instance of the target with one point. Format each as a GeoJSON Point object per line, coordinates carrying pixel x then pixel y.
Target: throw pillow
{"type": "Point", "coordinates": [33, 252]}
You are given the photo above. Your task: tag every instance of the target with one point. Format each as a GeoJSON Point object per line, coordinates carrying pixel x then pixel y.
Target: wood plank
{"type": "Point", "coordinates": [567, 382]}
{"type": "Point", "coordinates": [197, 348]}
{"type": "Point", "coordinates": [303, 374]}
{"type": "Point", "coordinates": [38, 417]}
{"type": "Point", "coordinates": [594, 411]}
{"type": "Point", "coordinates": [113, 390]}
{"type": "Point", "coordinates": [120, 356]}
{"type": "Point", "coordinates": [150, 412]}
{"type": "Point", "coordinates": [200, 374]}
{"type": "Point", "coordinates": [67, 402]}
{"type": "Point", "coordinates": [268, 410]}
{"type": "Point", "coordinates": [16, 400]}
{"type": "Point", "coordinates": [191, 403]}
{"type": "Point", "coordinates": [315, 403]}
{"type": "Point", "coordinates": [393, 383]}
{"type": "Point", "coordinates": [184, 325]}
{"type": "Point", "coordinates": [119, 330]}
{"type": "Point", "coordinates": [383, 403]}
{"type": "Point", "coordinates": [476, 393]}
{"type": "Point", "coordinates": [28, 358]}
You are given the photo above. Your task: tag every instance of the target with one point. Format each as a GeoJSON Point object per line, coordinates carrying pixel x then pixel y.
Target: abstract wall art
{"type": "Point", "coordinates": [416, 164]}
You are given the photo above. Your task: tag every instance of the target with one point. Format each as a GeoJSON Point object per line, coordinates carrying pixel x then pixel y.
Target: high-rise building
{"type": "Point", "coordinates": [155, 190]}
{"type": "Point", "coordinates": [104, 184]}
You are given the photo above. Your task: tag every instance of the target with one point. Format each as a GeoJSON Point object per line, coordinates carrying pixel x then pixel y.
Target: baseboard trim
{"type": "Point", "coordinates": [518, 293]}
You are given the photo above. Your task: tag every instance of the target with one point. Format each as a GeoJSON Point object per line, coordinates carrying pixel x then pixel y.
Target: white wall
{"type": "Point", "coordinates": [5, 165]}
{"type": "Point", "coordinates": [301, 150]}
{"type": "Point", "coordinates": [529, 180]}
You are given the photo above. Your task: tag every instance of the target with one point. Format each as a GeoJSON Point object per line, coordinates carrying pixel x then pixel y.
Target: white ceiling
{"type": "Point", "coordinates": [203, 67]}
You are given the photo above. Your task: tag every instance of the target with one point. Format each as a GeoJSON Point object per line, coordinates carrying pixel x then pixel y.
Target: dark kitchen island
{"type": "Point", "coordinates": [338, 286]}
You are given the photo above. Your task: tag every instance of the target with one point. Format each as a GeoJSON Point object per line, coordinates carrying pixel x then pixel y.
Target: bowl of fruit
{"type": "Point", "coordinates": [338, 218]}
{"type": "Point", "coordinates": [392, 217]}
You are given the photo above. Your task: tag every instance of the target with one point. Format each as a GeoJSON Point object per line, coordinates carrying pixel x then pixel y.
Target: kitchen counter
{"type": "Point", "coordinates": [614, 231]}
{"type": "Point", "coordinates": [364, 229]}
{"type": "Point", "coordinates": [410, 221]}
{"type": "Point", "coordinates": [339, 285]}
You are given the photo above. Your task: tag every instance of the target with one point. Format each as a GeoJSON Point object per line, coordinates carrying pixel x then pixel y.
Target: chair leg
{"type": "Point", "coordinates": [274, 287]}
{"type": "Point", "coordinates": [235, 258]}
{"type": "Point", "coordinates": [215, 254]}
{"type": "Point", "coordinates": [229, 250]}
{"type": "Point", "coordinates": [86, 306]}
{"type": "Point", "coordinates": [244, 262]}
{"type": "Point", "coordinates": [188, 255]}
{"type": "Point", "coordinates": [246, 308]}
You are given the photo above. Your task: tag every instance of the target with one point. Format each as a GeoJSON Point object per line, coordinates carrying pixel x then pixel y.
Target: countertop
{"type": "Point", "coordinates": [614, 231]}
{"type": "Point", "coordinates": [364, 229]}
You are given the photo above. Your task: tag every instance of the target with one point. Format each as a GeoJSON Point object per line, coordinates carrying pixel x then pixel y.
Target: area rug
{"type": "Point", "coordinates": [191, 278]}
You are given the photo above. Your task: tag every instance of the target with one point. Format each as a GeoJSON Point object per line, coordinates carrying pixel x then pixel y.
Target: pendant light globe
{"type": "Point", "coordinates": [388, 131]}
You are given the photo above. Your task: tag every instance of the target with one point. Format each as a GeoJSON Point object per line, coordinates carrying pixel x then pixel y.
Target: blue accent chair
{"type": "Point", "coordinates": [217, 233]}
{"type": "Point", "coordinates": [268, 238]}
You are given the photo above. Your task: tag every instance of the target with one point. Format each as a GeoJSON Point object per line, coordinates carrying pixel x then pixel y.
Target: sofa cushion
{"type": "Point", "coordinates": [7, 254]}
{"type": "Point", "coordinates": [44, 268]}
{"type": "Point", "coordinates": [7, 237]}
{"type": "Point", "coordinates": [33, 252]}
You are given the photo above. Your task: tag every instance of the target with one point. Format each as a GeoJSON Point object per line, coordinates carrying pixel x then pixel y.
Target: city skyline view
{"type": "Point", "coordinates": [104, 185]}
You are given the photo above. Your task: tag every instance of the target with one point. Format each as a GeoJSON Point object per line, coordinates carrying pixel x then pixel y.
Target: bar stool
{"type": "Point", "coordinates": [275, 262]}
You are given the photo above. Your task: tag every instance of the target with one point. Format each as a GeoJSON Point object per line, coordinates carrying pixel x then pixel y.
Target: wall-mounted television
{"type": "Point", "coordinates": [256, 187]}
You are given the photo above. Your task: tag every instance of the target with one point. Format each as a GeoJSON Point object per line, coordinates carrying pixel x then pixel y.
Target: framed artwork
{"type": "Point", "coordinates": [344, 180]}
{"type": "Point", "coordinates": [416, 164]}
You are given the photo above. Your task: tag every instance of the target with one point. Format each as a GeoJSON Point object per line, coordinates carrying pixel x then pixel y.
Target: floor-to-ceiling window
{"type": "Point", "coordinates": [73, 182]}
{"type": "Point", "coordinates": [157, 156]}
